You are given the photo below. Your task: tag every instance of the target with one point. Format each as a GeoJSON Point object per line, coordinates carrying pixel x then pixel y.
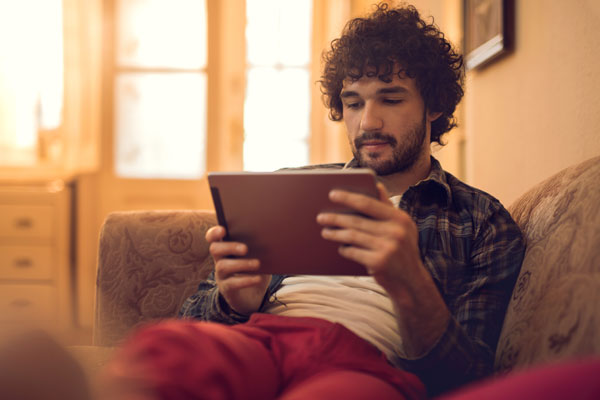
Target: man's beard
{"type": "Point", "coordinates": [403, 157]}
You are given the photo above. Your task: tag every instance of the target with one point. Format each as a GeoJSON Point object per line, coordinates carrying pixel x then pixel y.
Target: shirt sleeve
{"type": "Point", "coordinates": [466, 349]}
{"type": "Point", "coordinates": [208, 305]}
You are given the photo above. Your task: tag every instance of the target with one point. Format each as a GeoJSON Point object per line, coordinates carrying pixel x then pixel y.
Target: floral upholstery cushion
{"type": "Point", "coordinates": [149, 263]}
{"type": "Point", "coordinates": [554, 312]}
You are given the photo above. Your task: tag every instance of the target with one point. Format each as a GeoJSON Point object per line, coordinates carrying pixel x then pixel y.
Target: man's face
{"type": "Point", "coordinates": [388, 126]}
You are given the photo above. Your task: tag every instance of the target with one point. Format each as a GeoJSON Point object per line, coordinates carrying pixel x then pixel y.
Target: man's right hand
{"type": "Point", "coordinates": [238, 282]}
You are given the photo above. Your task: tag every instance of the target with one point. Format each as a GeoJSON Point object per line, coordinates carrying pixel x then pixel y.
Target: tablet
{"type": "Point", "coordinates": [274, 214]}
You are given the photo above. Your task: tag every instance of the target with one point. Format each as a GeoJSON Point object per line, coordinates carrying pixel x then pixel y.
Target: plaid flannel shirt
{"type": "Point", "coordinates": [473, 250]}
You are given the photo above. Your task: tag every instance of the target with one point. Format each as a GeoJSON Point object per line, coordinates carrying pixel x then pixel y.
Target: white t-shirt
{"type": "Point", "coordinates": [357, 302]}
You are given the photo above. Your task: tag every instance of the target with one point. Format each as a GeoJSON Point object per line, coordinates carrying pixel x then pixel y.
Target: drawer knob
{"type": "Point", "coordinates": [23, 223]}
{"type": "Point", "coordinates": [23, 263]}
{"type": "Point", "coordinates": [20, 303]}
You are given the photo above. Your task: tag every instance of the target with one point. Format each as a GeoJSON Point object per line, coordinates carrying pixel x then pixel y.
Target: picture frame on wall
{"type": "Point", "coordinates": [488, 30]}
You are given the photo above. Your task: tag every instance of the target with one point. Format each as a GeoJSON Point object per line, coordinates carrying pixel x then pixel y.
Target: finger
{"type": "Point", "coordinates": [351, 237]}
{"type": "Point", "coordinates": [365, 257]}
{"type": "Point", "coordinates": [237, 282]}
{"type": "Point", "coordinates": [353, 222]}
{"type": "Point", "coordinates": [348, 221]}
{"type": "Point", "coordinates": [363, 204]}
{"type": "Point", "coordinates": [226, 249]}
{"type": "Point", "coordinates": [215, 234]}
{"type": "Point", "coordinates": [226, 267]}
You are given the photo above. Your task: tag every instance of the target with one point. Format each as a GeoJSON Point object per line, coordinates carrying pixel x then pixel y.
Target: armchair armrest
{"type": "Point", "coordinates": [149, 262]}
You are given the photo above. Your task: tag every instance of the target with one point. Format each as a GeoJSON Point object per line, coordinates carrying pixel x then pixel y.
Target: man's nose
{"type": "Point", "coordinates": [371, 120]}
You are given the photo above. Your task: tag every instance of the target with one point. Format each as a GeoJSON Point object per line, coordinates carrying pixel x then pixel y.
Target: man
{"type": "Point", "coordinates": [442, 257]}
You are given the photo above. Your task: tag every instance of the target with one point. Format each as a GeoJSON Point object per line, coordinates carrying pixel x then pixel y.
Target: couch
{"type": "Point", "coordinates": [150, 261]}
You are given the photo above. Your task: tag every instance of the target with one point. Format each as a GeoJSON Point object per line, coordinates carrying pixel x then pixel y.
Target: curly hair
{"type": "Point", "coordinates": [377, 44]}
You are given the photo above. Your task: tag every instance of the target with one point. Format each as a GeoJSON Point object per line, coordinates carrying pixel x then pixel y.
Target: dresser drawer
{"type": "Point", "coordinates": [26, 262]}
{"type": "Point", "coordinates": [27, 302]}
{"type": "Point", "coordinates": [17, 221]}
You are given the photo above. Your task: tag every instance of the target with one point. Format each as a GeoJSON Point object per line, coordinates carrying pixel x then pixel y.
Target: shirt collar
{"type": "Point", "coordinates": [436, 183]}
{"type": "Point", "coordinates": [352, 164]}
{"type": "Point", "coordinates": [435, 186]}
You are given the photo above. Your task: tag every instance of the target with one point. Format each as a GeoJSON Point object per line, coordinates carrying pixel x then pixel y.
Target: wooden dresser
{"type": "Point", "coordinates": [35, 254]}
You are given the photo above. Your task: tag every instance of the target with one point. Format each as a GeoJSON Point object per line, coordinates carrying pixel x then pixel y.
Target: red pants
{"type": "Point", "coordinates": [568, 379]}
{"type": "Point", "coordinates": [269, 357]}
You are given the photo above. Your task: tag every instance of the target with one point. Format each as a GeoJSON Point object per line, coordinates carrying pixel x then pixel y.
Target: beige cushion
{"type": "Point", "coordinates": [554, 311]}
{"type": "Point", "coordinates": [149, 263]}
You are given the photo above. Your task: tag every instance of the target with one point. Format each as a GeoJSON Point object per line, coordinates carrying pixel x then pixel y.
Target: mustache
{"type": "Point", "coordinates": [367, 136]}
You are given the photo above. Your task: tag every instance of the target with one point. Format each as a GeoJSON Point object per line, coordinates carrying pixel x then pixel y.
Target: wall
{"type": "Point", "coordinates": [536, 111]}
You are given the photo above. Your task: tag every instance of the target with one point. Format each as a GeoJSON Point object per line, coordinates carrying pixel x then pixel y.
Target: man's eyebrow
{"type": "Point", "coordinates": [348, 93]}
{"type": "Point", "coordinates": [386, 90]}
{"type": "Point", "coordinates": [392, 90]}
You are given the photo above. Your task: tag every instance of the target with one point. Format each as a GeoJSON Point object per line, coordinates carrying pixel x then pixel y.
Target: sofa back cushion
{"type": "Point", "coordinates": [554, 312]}
{"type": "Point", "coordinates": [149, 263]}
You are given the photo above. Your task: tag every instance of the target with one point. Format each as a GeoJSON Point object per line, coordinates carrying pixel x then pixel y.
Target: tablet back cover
{"type": "Point", "coordinates": [274, 213]}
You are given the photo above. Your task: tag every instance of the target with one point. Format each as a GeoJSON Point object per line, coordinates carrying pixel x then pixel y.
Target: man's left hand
{"type": "Point", "coordinates": [385, 240]}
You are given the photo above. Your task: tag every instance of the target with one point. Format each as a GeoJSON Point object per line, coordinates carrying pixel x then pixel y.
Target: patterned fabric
{"type": "Point", "coordinates": [149, 262]}
{"type": "Point", "coordinates": [472, 248]}
{"type": "Point", "coordinates": [554, 312]}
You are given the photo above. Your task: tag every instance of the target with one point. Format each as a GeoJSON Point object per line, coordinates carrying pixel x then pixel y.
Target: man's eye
{"type": "Point", "coordinates": [352, 105]}
{"type": "Point", "coordinates": [392, 101]}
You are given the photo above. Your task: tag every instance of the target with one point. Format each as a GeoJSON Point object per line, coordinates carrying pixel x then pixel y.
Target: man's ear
{"type": "Point", "coordinates": [432, 116]}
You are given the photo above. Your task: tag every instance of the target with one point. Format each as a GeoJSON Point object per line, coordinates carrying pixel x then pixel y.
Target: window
{"type": "Point", "coordinates": [277, 106]}
{"type": "Point", "coordinates": [31, 78]}
{"type": "Point", "coordinates": [160, 89]}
